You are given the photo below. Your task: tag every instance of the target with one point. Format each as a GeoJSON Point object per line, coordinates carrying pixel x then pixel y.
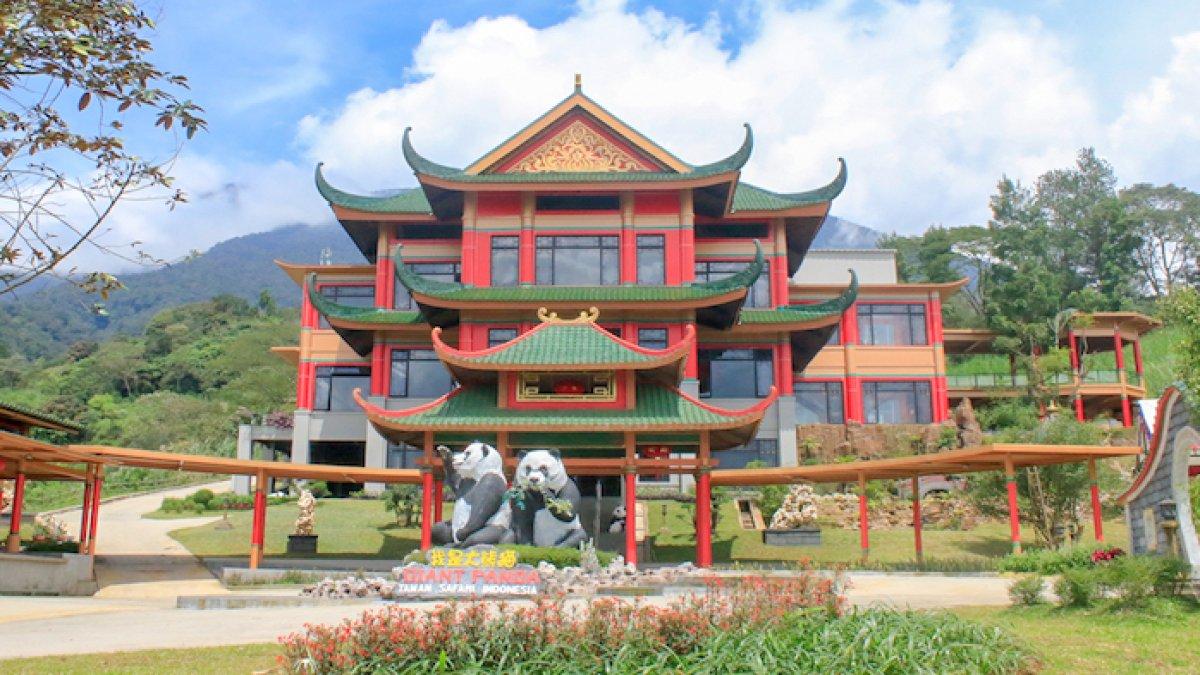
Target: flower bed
{"type": "Point", "coordinates": [549, 635]}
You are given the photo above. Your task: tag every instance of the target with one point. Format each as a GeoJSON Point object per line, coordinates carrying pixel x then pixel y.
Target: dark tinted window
{"type": "Point", "coordinates": [498, 336]}
{"type": "Point", "coordinates": [438, 271]}
{"type": "Point", "coordinates": [335, 385]}
{"type": "Point", "coordinates": [506, 261]}
{"type": "Point", "coordinates": [906, 402]}
{"type": "Point", "coordinates": [818, 402]}
{"type": "Point", "coordinates": [578, 261]}
{"type": "Point", "coordinates": [350, 296]}
{"type": "Point", "coordinates": [735, 373]}
{"type": "Point", "coordinates": [652, 338]}
{"type": "Point", "coordinates": [417, 373]}
{"type": "Point", "coordinates": [651, 259]}
{"type": "Point", "coordinates": [880, 324]}
{"type": "Point", "coordinates": [759, 294]}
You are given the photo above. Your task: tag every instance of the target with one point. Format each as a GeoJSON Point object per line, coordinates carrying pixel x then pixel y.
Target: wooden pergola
{"type": "Point", "coordinates": [1004, 457]}
{"type": "Point", "coordinates": [23, 458]}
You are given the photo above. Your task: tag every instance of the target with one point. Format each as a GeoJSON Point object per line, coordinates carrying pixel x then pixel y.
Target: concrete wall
{"type": "Point", "coordinates": [828, 266]}
{"type": "Point", "coordinates": [34, 574]}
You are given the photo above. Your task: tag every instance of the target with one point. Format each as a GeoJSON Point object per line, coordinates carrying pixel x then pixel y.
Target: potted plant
{"type": "Point", "coordinates": [303, 538]}
{"type": "Point", "coordinates": [795, 522]}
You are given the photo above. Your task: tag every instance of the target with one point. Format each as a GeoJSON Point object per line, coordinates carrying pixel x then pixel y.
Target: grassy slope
{"type": "Point", "coordinates": [362, 529]}
{"type": "Point", "coordinates": [234, 659]}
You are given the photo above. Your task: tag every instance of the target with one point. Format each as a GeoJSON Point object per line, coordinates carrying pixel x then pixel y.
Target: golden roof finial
{"type": "Point", "coordinates": [578, 82]}
{"type": "Point", "coordinates": [587, 316]}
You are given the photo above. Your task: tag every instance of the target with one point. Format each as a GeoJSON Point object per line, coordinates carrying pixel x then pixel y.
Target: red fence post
{"type": "Point", "coordinates": [1014, 516]}
{"type": "Point", "coordinates": [14, 530]}
{"type": "Point", "coordinates": [917, 543]}
{"type": "Point", "coordinates": [864, 537]}
{"type": "Point", "coordinates": [1097, 514]}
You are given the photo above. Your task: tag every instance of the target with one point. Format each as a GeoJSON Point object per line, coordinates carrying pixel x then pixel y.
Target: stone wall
{"type": "Point", "coordinates": [827, 442]}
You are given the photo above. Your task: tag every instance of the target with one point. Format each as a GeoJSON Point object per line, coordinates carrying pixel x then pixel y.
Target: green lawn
{"type": "Point", "coordinates": [354, 528]}
{"type": "Point", "coordinates": [1074, 641]}
{"type": "Point", "coordinates": [236, 659]}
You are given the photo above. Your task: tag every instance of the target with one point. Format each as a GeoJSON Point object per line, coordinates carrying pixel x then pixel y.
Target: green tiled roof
{"type": "Point", "coordinates": [369, 315]}
{"type": "Point", "coordinates": [805, 313]}
{"type": "Point", "coordinates": [410, 200]}
{"type": "Point", "coordinates": [51, 422]}
{"type": "Point", "coordinates": [564, 344]}
{"type": "Point", "coordinates": [752, 198]}
{"type": "Point", "coordinates": [475, 407]}
{"type": "Point", "coordinates": [424, 167]}
{"type": "Point", "coordinates": [453, 291]}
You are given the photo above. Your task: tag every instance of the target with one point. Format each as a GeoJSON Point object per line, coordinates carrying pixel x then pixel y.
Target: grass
{"type": "Point", "coordinates": [50, 495]}
{"type": "Point", "coordinates": [232, 659]}
{"type": "Point", "coordinates": [355, 528]}
{"type": "Point", "coordinates": [1076, 641]}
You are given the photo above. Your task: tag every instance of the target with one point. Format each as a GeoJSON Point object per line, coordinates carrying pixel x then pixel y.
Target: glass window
{"type": "Point", "coordinates": [765, 450]}
{"type": "Point", "coordinates": [652, 338]}
{"type": "Point", "coordinates": [651, 259]}
{"type": "Point", "coordinates": [437, 271]}
{"type": "Point", "coordinates": [891, 324]}
{"type": "Point", "coordinates": [905, 402]}
{"type": "Point", "coordinates": [350, 296]}
{"type": "Point", "coordinates": [498, 336]}
{"type": "Point", "coordinates": [506, 261]}
{"type": "Point", "coordinates": [335, 385]}
{"type": "Point", "coordinates": [615, 330]}
{"type": "Point", "coordinates": [759, 294]}
{"type": "Point", "coordinates": [818, 402]}
{"type": "Point", "coordinates": [835, 337]}
{"type": "Point", "coordinates": [578, 261]}
{"type": "Point", "coordinates": [403, 456]}
{"type": "Point", "coordinates": [735, 373]}
{"type": "Point", "coordinates": [417, 373]}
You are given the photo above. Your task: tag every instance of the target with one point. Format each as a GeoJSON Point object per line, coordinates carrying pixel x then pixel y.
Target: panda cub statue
{"type": "Point", "coordinates": [481, 514]}
{"type": "Point", "coordinates": [616, 523]}
{"type": "Point", "coordinates": [545, 502]}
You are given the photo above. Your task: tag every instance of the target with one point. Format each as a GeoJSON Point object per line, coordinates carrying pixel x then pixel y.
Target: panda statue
{"type": "Point", "coordinates": [616, 522]}
{"type": "Point", "coordinates": [545, 502]}
{"type": "Point", "coordinates": [481, 514]}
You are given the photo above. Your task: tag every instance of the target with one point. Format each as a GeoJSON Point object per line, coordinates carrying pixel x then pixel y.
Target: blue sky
{"type": "Point", "coordinates": [930, 102]}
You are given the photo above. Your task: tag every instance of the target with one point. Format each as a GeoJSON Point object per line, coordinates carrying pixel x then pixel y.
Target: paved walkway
{"type": "Point", "coordinates": [135, 556]}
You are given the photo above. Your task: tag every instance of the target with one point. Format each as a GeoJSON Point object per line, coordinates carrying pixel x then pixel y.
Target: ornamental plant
{"type": "Point", "coordinates": [551, 635]}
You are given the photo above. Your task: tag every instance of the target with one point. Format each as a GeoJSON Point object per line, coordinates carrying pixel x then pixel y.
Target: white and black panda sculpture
{"type": "Point", "coordinates": [545, 502]}
{"type": "Point", "coordinates": [481, 514]}
{"type": "Point", "coordinates": [616, 523]}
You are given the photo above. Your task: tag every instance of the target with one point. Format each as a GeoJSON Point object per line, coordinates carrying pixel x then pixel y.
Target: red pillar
{"type": "Point", "coordinates": [864, 537]}
{"type": "Point", "coordinates": [14, 530]}
{"type": "Point", "coordinates": [1138, 366]}
{"type": "Point", "coordinates": [259, 524]}
{"type": "Point", "coordinates": [1014, 516]}
{"type": "Point", "coordinates": [703, 504]}
{"type": "Point", "coordinates": [427, 495]}
{"type": "Point", "coordinates": [918, 545]}
{"type": "Point", "coordinates": [1097, 513]}
{"type": "Point", "coordinates": [438, 500]}
{"type": "Point", "coordinates": [1119, 355]}
{"type": "Point", "coordinates": [631, 516]}
{"type": "Point", "coordinates": [85, 512]}
{"type": "Point", "coordinates": [1075, 361]}
{"type": "Point", "coordinates": [97, 495]}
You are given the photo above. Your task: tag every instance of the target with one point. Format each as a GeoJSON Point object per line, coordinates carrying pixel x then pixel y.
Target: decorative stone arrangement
{"type": "Point", "coordinates": [840, 510]}
{"type": "Point", "coordinates": [304, 538]}
{"type": "Point", "coordinates": [799, 509]}
{"type": "Point", "coordinates": [572, 580]}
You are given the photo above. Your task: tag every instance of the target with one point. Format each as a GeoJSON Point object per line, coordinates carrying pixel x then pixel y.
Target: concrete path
{"type": "Point", "coordinates": [135, 556]}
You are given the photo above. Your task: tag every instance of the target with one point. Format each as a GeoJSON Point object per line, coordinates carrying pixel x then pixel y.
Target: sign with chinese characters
{"type": "Point", "coordinates": [459, 573]}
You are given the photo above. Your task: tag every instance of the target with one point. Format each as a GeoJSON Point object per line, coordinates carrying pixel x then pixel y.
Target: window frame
{"type": "Point", "coordinates": [660, 248]}
{"type": "Point", "coordinates": [870, 400]}
{"type": "Point", "coordinates": [608, 245]}
{"type": "Point", "coordinates": [867, 311]}
{"type": "Point", "coordinates": [763, 369]}
{"type": "Point", "coordinates": [758, 296]}
{"type": "Point", "coordinates": [364, 372]}
{"type": "Point", "coordinates": [400, 292]}
{"type": "Point", "coordinates": [408, 360]}
{"type": "Point", "coordinates": [834, 401]}
{"type": "Point", "coordinates": [322, 322]}
{"type": "Point", "coordinates": [666, 339]}
{"type": "Point", "coordinates": [514, 250]}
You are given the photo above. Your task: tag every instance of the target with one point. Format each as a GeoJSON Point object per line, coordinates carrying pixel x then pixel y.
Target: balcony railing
{"type": "Point", "coordinates": [1020, 380]}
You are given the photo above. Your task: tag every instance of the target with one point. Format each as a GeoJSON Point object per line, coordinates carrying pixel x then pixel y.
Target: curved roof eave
{"type": "Point", "coordinates": [754, 198]}
{"type": "Point", "coordinates": [408, 201]}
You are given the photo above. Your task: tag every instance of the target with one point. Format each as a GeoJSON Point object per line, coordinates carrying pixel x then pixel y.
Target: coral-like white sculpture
{"type": "Point", "coordinates": [307, 506]}
{"type": "Point", "coordinates": [799, 509]}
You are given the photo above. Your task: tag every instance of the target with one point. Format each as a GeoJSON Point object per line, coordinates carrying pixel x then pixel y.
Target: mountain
{"type": "Point", "coordinates": [841, 233]}
{"type": "Point", "coordinates": [46, 321]}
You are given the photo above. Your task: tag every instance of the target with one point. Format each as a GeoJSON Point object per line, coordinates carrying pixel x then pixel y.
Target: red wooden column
{"type": "Point", "coordinates": [703, 505]}
{"type": "Point", "coordinates": [438, 500]}
{"type": "Point", "coordinates": [259, 524]}
{"type": "Point", "coordinates": [14, 530]}
{"type": "Point", "coordinates": [85, 512]}
{"type": "Point", "coordinates": [1097, 514]}
{"type": "Point", "coordinates": [1138, 366]}
{"type": "Point", "coordinates": [97, 495]}
{"type": "Point", "coordinates": [864, 537]}
{"type": "Point", "coordinates": [1119, 354]}
{"type": "Point", "coordinates": [1075, 361]}
{"type": "Point", "coordinates": [427, 494]}
{"type": "Point", "coordinates": [1014, 515]}
{"type": "Point", "coordinates": [918, 545]}
{"type": "Point", "coordinates": [630, 498]}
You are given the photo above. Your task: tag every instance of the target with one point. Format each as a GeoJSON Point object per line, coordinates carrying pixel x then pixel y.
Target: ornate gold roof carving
{"type": "Point", "coordinates": [587, 316]}
{"type": "Point", "coordinates": [578, 148]}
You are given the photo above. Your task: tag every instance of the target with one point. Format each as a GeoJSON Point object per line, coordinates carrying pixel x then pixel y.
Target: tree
{"type": "Point", "coordinates": [1167, 218]}
{"type": "Point", "coordinates": [1182, 309]}
{"type": "Point", "coordinates": [65, 168]}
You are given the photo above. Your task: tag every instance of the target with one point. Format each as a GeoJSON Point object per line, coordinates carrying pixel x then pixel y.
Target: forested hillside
{"type": "Point", "coordinates": [47, 322]}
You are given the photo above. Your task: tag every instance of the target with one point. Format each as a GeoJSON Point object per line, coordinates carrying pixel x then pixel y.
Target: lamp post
{"type": "Point", "coordinates": [1168, 519]}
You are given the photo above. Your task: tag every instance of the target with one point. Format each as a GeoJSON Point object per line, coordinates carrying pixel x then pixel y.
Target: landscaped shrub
{"type": "Point", "coordinates": [318, 488]}
{"type": "Point", "coordinates": [1046, 561]}
{"type": "Point", "coordinates": [1027, 590]}
{"type": "Point", "coordinates": [202, 497]}
{"type": "Point", "coordinates": [1133, 580]}
{"type": "Point", "coordinates": [172, 504]}
{"type": "Point", "coordinates": [548, 637]}
{"type": "Point", "coordinates": [1076, 588]}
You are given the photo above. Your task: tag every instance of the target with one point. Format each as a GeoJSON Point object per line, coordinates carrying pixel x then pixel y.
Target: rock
{"type": "Point", "coordinates": [305, 520]}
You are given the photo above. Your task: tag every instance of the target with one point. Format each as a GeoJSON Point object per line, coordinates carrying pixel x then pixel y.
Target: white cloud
{"type": "Point", "coordinates": [927, 116]}
{"type": "Point", "coordinates": [1157, 135]}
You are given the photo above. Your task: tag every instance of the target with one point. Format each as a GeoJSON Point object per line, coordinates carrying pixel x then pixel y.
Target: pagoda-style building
{"type": "Point", "coordinates": [696, 349]}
